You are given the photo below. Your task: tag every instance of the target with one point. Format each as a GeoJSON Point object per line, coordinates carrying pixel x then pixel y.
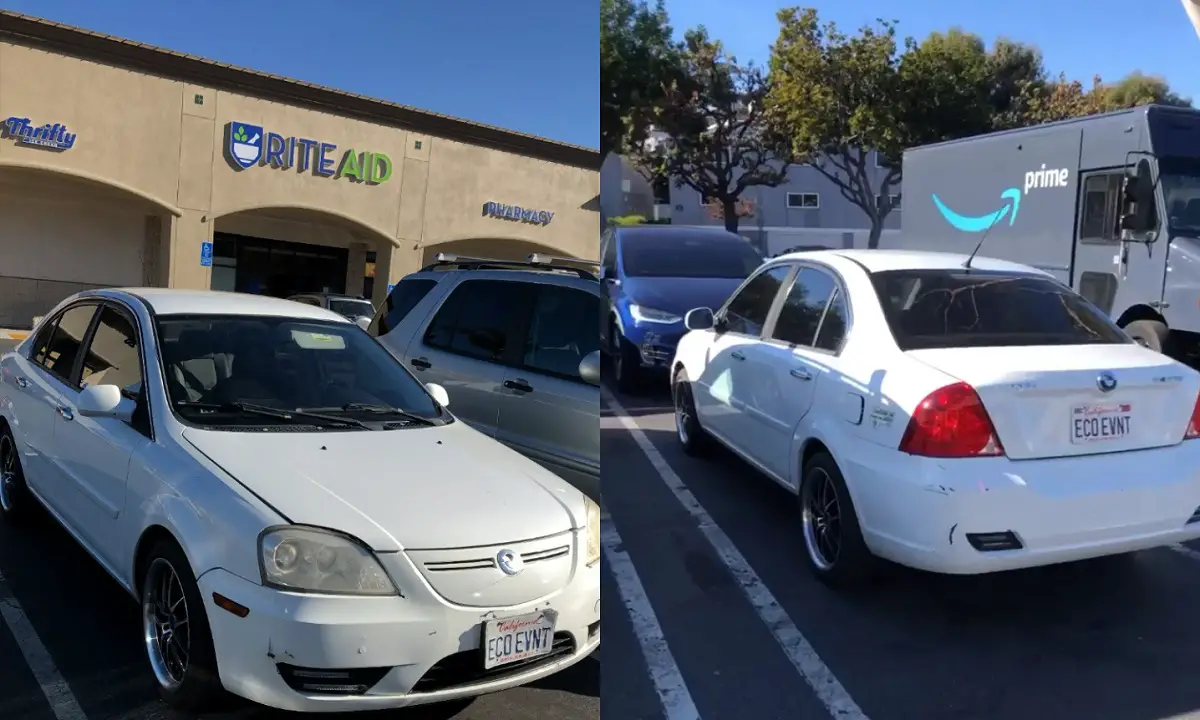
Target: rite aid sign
{"type": "Point", "coordinates": [250, 145]}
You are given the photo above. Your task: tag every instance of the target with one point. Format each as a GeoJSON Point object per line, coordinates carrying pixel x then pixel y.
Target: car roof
{"type": "Point", "coordinates": [174, 301]}
{"type": "Point", "coordinates": [531, 275]}
{"type": "Point", "coordinates": [884, 260]}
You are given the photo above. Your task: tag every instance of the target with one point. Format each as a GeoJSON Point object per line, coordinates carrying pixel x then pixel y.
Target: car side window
{"type": "Point", "coordinates": [41, 342]}
{"type": "Point", "coordinates": [480, 319]}
{"type": "Point", "coordinates": [307, 300]}
{"type": "Point", "coordinates": [833, 325]}
{"type": "Point", "coordinates": [113, 357]}
{"type": "Point", "coordinates": [65, 344]}
{"type": "Point", "coordinates": [746, 312]}
{"type": "Point", "coordinates": [400, 302]}
{"type": "Point", "coordinates": [802, 309]}
{"type": "Point", "coordinates": [563, 331]}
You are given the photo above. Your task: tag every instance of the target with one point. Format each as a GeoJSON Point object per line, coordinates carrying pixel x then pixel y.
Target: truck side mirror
{"type": "Point", "coordinates": [1137, 199]}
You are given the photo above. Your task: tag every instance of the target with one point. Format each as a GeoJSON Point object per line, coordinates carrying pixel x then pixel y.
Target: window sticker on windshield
{"type": "Point", "coordinates": [318, 341]}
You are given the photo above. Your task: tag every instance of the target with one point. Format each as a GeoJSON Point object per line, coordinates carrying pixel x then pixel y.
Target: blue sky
{"type": "Point", "coordinates": [1078, 37]}
{"type": "Point", "coordinates": [528, 65]}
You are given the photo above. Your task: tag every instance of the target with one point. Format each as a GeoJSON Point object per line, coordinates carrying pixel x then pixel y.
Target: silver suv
{"type": "Point", "coordinates": [516, 345]}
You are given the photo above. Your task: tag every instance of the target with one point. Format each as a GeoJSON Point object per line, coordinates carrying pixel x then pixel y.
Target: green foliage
{"type": "Point", "coordinates": [716, 139]}
{"type": "Point", "coordinates": [638, 63]}
{"type": "Point", "coordinates": [628, 220]}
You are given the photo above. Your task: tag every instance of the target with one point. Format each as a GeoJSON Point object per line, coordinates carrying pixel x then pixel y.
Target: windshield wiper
{"type": "Point", "coordinates": [277, 413]}
{"type": "Point", "coordinates": [375, 409]}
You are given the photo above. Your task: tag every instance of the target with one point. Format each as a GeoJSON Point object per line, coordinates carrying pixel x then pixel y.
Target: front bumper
{"type": "Point", "coordinates": [979, 515]}
{"type": "Point", "coordinates": [655, 344]}
{"type": "Point", "coordinates": [300, 652]}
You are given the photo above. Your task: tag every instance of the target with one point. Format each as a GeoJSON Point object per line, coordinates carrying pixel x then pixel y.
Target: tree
{"type": "Point", "coordinates": [1061, 99]}
{"type": "Point", "coordinates": [712, 134]}
{"type": "Point", "coordinates": [1017, 74]}
{"type": "Point", "coordinates": [638, 62]}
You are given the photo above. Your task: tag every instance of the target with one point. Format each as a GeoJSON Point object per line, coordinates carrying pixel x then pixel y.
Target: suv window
{"type": "Point", "coordinates": [957, 308]}
{"type": "Point", "coordinates": [800, 314]}
{"type": "Point", "coordinates": [480, 319]}
{"type": "Point", "coordinates": [746, 312]}
{"type": "Point", "coordinates": [564, 330]}
{"type": "Point", "coordinates": [400, 302]}
{"type": "Point", "coordinates": [63, 349]}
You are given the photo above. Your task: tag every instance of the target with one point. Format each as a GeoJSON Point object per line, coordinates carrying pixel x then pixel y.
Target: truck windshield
{"type": "Point", "coordinates": [955, 308]}
{"type": "Point", "coordinates": [1180, 179]}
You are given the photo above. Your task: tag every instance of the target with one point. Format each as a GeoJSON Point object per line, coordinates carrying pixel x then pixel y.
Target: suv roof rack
{"type": "Point", "coordinates": [534, 261]}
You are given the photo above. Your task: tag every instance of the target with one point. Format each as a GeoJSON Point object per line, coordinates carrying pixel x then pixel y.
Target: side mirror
{"type": "Point", "coordinates": [699, 319]}
{"type": "Point", "coordinates": [439, 394]}
{"type": "Point", "coordinates": [104, 401]}
{"type": "Point", "coordinates": [1137, 199]}
{"type": "Point", "coordinates": [363, 322]}
{"type": "Point", "coordinates": [589, 368]}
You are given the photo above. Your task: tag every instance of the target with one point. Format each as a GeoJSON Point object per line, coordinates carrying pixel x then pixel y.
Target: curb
{"type": "Point", "coordinates": [13, 334]}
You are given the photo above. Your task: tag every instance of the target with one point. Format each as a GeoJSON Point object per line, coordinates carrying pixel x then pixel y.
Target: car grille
{"type": "Point", "coordinates": [490, 562]}
{"type": "Point", "coordinates": [466, 667]}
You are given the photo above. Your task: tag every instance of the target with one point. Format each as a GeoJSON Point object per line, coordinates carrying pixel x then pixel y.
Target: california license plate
{"type": "Point", "coordinates": [510, 640]}
{"type": "Point", "coordinates": [1100, 422]}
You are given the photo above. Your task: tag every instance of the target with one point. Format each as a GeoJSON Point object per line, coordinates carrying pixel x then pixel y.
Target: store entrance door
{"type": "Point", "coordinates": [274, 267]}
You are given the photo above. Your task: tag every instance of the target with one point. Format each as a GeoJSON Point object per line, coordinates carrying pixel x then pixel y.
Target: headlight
{"type": "Point", "coordinates": [312, 560]}
{"type": "Point", "coordinates": [593, 531]}
{"type": "Point", "coordinates": [642, 313]}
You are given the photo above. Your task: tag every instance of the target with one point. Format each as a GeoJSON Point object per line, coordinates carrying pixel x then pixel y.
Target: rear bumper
{"type": "Point", "coordinates": [931, 514]}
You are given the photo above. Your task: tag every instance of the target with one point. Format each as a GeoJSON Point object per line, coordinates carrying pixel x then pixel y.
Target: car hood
{"type": "Point", "coordinates": [421, 488]}
{"type": "Point", "coordinates": [678, 295]}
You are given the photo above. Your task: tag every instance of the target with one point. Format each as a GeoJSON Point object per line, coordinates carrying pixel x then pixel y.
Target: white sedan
{"type": "Point", "coordinates": [303, 522]}
{"type": "Point", "coordinates": [950, 418]}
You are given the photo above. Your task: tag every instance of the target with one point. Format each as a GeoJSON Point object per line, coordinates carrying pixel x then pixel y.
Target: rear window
{"type": "Point", "coordinates": [951, 308]}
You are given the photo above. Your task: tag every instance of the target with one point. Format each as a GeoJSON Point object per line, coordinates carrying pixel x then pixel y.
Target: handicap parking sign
{"type": "Point", "coordinates": [206, 249]}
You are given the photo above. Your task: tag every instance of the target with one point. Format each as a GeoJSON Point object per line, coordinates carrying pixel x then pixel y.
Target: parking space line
{"type": "Point", "coordinates": [54, 686]}
{"type": "Point", "coordinates": [1185, 551]}
{"type": "Point", "coordinates": [668, 682]}
{"type": "Point", "coordinates": [799, 651]}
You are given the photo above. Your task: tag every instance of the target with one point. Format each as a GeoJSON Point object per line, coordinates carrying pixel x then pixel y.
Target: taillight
{"type": "Point", "coordinates": [951, 422]}
{"type": "Point", "coordinates": [1193, 428]}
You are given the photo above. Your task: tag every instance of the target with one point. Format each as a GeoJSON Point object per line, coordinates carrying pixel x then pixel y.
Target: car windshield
{"type": "Point", "coordinates": [352, 308]}
{"type": "Point", "coordinates": [687, 256]}
{"type": "Point", "coordinates": [1180, 178]}
{"type": "Point", "coordinates": [968, 308]}
{"type": "Point", "coordinates": [239, 370]}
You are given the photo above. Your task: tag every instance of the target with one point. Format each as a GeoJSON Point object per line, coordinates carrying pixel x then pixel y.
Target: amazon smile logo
{"type": "Point", "coordinates": [1010, 201]}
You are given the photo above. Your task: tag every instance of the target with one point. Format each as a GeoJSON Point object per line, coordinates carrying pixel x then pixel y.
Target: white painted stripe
{"type": "Point", "coordinates": [1186, 551]}
{"type": "Point", "coordinates": [797, 648]}
{"type": "Point", "coordinates": [664, 673]}
{"type": "Point", "coordinates": [54, 686]}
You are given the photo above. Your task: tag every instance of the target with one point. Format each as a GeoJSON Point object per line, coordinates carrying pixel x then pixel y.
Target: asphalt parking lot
{"type": "Point", "coordinates": [709, 563]}
{"type": "Point", "coordinates": [70, 648]}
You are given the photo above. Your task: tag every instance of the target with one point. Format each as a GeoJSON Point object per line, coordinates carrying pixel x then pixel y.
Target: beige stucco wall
{"type": "Point", "coordinates": [156, 148]}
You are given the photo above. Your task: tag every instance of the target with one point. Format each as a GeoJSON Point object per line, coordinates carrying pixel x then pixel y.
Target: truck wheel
{"type": "Point", "coordinates": [1149, 333]}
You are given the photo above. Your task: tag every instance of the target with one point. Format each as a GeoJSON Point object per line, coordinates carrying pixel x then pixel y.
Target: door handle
{"type": "Point", "coordinates": [519, 385]}
{"type": "Point", "coordinates": [66, 412]}
{"type": "Point", "coordinates": [22, 383]}
{"type": "Point", "coordinates": [420, 363]}
{"type": "Point", "coordinates": [801, 374]}
{"type": "Point", "coordinates": [737, 355]}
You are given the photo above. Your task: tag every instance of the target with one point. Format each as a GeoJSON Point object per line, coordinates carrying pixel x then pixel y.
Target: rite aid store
{"type": "Point", "coordinates": [123, 164]}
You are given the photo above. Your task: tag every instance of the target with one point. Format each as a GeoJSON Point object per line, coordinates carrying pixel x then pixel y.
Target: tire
{"type": "Point", "coordinates": [1151, 334]}
{"type": "Point", "coordinates": [196, 687]}
{"type": "Point", "coordinates": [627, 363]}
{"type": "Point", "coordinates": [692, 438]}
{"type": "Point", "coordinates": [16, 502]}
{"type": "Point", "coordinates": [851, 563]}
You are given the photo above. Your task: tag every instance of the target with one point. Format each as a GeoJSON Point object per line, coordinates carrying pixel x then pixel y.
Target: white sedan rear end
{"type": "Point", "coordinates": [955, 419]}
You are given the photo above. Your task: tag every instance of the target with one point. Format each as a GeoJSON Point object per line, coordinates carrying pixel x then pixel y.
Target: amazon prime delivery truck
{"type": "Point", "coordinates": [1110, 204]}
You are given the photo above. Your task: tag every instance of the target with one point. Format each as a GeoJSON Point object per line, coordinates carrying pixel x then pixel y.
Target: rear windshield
{"type": "Point", "coordinates": [352, 308]}
{"type": "Point", "coordinates": [685, 255]}
{"type": "Point", "coordinates": [956, 308]}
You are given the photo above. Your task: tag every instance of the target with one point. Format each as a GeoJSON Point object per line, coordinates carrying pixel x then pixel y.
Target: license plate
{"type": "Point", "coordinates": [514, 639]}
{"type": "Point", "coordinates": [1100, 422]}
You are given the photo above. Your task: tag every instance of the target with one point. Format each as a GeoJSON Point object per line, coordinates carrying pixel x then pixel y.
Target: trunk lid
{"type": "Point", "coordinates": [1047, 401]}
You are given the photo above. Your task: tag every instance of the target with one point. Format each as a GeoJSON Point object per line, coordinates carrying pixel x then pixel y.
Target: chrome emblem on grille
{"type": "Point", "coordinates": [1106, 382]}
{"type": "Point", "coordinates": [509, 562]}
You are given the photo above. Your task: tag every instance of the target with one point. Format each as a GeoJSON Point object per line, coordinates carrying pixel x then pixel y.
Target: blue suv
{"type": "Point", "coordinates": [654, 274]}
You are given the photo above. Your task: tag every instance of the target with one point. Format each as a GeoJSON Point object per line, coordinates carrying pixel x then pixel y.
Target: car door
{"type": "Point", "coordinates": [548, 412]}
{"type": "Point", "coordinates": [472, 336]}
{"type": "Point", "coordinates": [41, 380]}
{"type": "Point", "coordinates": [796, 353]}
{"type": "Point", "coordinates": [727, 381]}
{"type": "Point", "coordinates": [93, 454]}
